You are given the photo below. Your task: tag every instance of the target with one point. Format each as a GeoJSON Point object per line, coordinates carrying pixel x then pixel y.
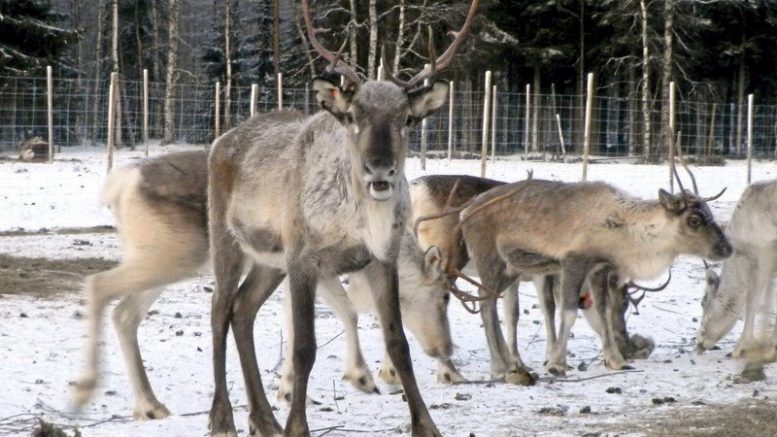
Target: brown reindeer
{"type": "Point", "coordinates": [435, 195]}
{"type": "Point", "coordinates": [539, 227]}
{"type": "Point", "coordinates": [333, 200]}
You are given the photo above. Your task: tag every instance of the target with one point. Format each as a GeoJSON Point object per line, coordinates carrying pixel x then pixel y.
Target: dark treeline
{"type": "Point", "coordinates": [715, 51]}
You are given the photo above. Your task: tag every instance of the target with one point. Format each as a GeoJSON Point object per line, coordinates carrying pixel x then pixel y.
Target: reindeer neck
{"type": "Point", "coordinates": [651, 248]}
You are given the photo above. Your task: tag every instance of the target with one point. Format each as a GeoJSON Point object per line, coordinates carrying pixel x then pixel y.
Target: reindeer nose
{"type": "Point", "coordinates": [723, 249]}
{"type": "Point", "coordinates": [380, 166]}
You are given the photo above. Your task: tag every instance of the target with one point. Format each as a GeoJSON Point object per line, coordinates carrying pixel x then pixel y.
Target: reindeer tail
{"type": "Point", "coordinates": [118, 181]}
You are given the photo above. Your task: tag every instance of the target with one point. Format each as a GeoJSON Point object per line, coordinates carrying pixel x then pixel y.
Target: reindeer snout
{"type": "Point", "coordinates": [380, 166]}
{"type": "Point", "coordinates": [722, 249]}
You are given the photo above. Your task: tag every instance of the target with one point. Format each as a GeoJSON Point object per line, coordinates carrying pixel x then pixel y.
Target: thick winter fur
{"type": "Point", "coordinates": [329, 200]}
{"type": "Point", "coordinates": [429, 195]}
{"type": "Point", "coordinates": [745, 280]}
{"type": "Point", "coordinates": [163, 200]}
{"type": "Point", "coordinates": [159, 206]}
{"type": "Point", "coordinates": [547, 226]}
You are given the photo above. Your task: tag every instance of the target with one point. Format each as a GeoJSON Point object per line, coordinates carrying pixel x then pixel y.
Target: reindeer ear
{"type": "Point", "coordinates": [670, 202]}
{"type": "Point", "coordinates": [713, 281]}
{"type": "Point", "coordinates": [333, 98]}
{"type": "Point", "coordinates": [433, 261]}
{"type": "Point", "coordinates": [427, 99]}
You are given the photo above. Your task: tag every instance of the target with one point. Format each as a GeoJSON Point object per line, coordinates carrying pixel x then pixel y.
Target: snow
{"type": "Point", "coordinates": [42, 352]}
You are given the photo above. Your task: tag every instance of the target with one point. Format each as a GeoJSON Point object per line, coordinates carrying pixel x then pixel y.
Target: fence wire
{"type": "Point", "coordinates": [538, 130]}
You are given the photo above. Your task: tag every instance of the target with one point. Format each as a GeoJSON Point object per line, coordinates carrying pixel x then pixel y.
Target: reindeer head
{"type": "Point", "coordinates": [425, 310]}
{"type": "Point", "coordinates": [723, 301]}
{"type": "Point", "coordinates": [379, 114]}
{"type": "Point", "coordinates": [697, 233]}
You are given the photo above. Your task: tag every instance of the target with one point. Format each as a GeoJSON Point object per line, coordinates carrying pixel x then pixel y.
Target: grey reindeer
{"type": "Point", "coordinates": [541, 227]}
{"type": "Point", "coordinates": [333, 200]}
{"type": "Point", "coordinates": [160, 207]}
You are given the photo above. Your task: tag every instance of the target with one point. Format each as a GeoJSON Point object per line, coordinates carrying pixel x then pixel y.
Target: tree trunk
{"type": "Point", "coordinates": [352, 34]}
{"type": "Point", "coordinates": [400, 36]}
{"type": "Point", "coordinates": [156, 53]}
{"type": "Point", "coordinates": [276, 37]}
{"type": "Point", "coordinates": [535, 110]}
{"type": "Point", "coordinates": [645, 82]}
{"type": "Point", "coordinates": [80, 123]}
{"type": "Point", "coordinates": [740, 105]}
{"type": "Point", "coordinates": [115, 62]}
{"type": "Point", "coordinates": [577, 143]}
{"type": "Point", "coordinates": [172, 61]}
{"type": "Point", "coordinates": [98, 62]}
{"type": "Point", "coordinates": [373, 39]}
{"type": "Point", "coordinates": [666, 73]}
{"type": "Point", "coordinates": [632, 105]}
{"type": "Point", "coordinates": [228, 64]}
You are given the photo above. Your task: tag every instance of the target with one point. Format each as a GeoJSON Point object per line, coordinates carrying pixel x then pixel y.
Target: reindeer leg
{"type": "Point", "coordinates": [512, 310]}
{"type": "Point", "coordinates": [129, 278]}
{"type": "Point", "coordinates": [302, 282]}
{"type": "Point", "coordinates": [545, 285]}
{"type": "Point", "coordinates": [227, 266]}
{"type": "Point", "coordinates": [575, 268]}
{"type": "Point", "coordinates": [333, 293]}
{"type": "Point", "coordinates": [386, 295]}
{"type": "Point", "coordinates": [493, 276]}
{"type": "Point", "coordinates": [253, 292]}
{"type": "Point", "coordinates": [604, 287]}
{"type": "Point", "coordinates": [754, 299]}
{"type": "Point", "coordinates": [126, 318]}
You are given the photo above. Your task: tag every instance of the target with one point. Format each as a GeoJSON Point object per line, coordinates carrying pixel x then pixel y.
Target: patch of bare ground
{"type": "Point", "coordinates": [59, 231]}
{"type": "Point", "coordinates": [44, 277]}
{"type": "Point", "coordinates": [748, 418]}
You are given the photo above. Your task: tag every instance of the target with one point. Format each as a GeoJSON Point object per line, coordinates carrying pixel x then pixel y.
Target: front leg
{"type": "Point", "coordinates": [386, 295]}
{"type": "Point", "coordinates": [545, 285]}
{"type": "Point", "coordinates": [574, 269]}
{"type": "Point", "coordinates": [603, 291]}
{"type": "Point", "coordinates": [302, 282]}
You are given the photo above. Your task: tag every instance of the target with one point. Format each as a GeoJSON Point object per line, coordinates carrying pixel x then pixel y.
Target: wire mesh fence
{"type": "Point", "coordinates": [540, 127]}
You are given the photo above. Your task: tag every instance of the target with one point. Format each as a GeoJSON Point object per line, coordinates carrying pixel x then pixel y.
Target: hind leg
{"type": "Point", "coordinates": [575, 268]}
{"type": "Point", "coordinates": [545, 285]}
{"type": "Point", "coordinates": [512, 310]}
{"type": "Point", "coordinates": [129, 278]}
{"type": "Point", "coordinates": [126, 318]}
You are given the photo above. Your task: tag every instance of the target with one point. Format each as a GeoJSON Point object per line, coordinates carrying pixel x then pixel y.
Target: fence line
{"type": "Point", "coordinates": [709, 129]}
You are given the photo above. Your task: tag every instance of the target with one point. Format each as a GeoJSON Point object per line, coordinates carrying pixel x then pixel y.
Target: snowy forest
{"type": "Point", "coordinates": [716, 51]}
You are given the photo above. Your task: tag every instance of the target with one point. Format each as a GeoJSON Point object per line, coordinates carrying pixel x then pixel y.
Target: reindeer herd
{"type": "Point", "coordinates": [306, 200]}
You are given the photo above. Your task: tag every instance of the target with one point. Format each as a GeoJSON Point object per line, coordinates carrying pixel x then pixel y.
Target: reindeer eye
{"type": "Point", "coordinates": [447, 297]}
{"type": "Point", "coordinates": [695, 221]}
{"type": "Point", "coordinates": [409, 121]}
{"type": "Point", "coordinates": [349, 117]}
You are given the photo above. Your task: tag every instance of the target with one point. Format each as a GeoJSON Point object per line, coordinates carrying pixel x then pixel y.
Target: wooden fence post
{"type": "Point", "coordinates": [484, 138]}
{"type": "Point", "coordinates": [111, 107]}
{"type": "Point", "coordinates": [50, 111]}
{"type": "Point", "coordinates": [589, 99]}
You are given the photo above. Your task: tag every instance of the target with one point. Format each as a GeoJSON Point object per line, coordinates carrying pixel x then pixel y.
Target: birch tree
{"type": "Point", "coordinates": [172, 62]}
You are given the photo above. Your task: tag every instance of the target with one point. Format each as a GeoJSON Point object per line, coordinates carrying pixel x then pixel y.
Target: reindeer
{"type": "Point", "coordinates": [332, 201]}
{"type": "Point", "coordinates": [745, 279]}
{"type": "Point", "coordinates": [432, 197]}
{"type": "Point", "coordinates": [160, 208]}
{"type": "Point", "coordinates": [540, 227]}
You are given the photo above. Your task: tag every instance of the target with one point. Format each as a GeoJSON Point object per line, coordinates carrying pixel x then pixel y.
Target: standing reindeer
{"type": "Point", "coordinates": [540, 227]}
{"type": "Point", "coordinates": [745, 279]}
{"type": "Point", "coordinates": [160, 209]}
{"type": "Point", "coordinates": [333, 200]}
{"type": "Point", "coordinates": [432, 199]}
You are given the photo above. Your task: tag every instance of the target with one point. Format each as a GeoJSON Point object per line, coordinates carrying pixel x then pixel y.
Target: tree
{"type": "Point", "coordinates": [172, 62]}
{"type": "Point", "coordinates": [30, 39]}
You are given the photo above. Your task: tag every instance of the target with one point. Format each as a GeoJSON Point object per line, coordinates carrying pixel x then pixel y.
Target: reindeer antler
{"type": "Point", "coordinates": [440, 63]}
{"type": "Point", "coordinates": [633, 288]}
{"type": "Point", "coordinates": [334, 60]}
{"type": "Point", "coordinates": [679, 149]}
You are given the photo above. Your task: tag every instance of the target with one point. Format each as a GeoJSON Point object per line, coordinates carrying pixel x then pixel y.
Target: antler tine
{"type": "Point", "coordinates": [680, 155]}
{"type": "Point", "coordinates": [711, 198]}
{"type": "Point", "coordinates": [674, 171]}
{"type": "Point", "coordinates": [659, 288]}
{"type": "Point", "coordinates": [706, 266]}
{"type": "Point", "coordinates": [345, 70]}
{"type": "Point", "coordinates": [445, 59]}
{"type": "Point", "coordinates": [390, 74]}
{"type": "Point", "coordinates": [432, 51]}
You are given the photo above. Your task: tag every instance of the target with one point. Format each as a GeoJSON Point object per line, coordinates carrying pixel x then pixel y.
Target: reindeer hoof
{"type": "Point", "coordinates": [556, 370]}
{"type": "Point", "coordinates": [153, 411]}
{"type": "Point", "coordinates": [520, 376]}
{"type": "Point", "coordinates": [362, 380]}
{"type": "Point", "coordinates": [389, 375]}
{"type": "Point", "coordinates": [83, 391]}
{"type": "Point", "coordinates": [639, 347]}
{"type": "Point", "coordinates": [450, 377]}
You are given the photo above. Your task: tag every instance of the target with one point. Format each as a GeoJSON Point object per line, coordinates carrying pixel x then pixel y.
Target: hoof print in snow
{"type": "Point", "coordinates": [614, 390]}
{"type": "Point", "coordinates": [586, 410]}
{"type": "Point", "coordinates": [463, 396]}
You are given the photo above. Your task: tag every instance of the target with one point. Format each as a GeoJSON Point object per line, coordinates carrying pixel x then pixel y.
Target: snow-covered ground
{"type": "Point", "coordinates": [41, 338]}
